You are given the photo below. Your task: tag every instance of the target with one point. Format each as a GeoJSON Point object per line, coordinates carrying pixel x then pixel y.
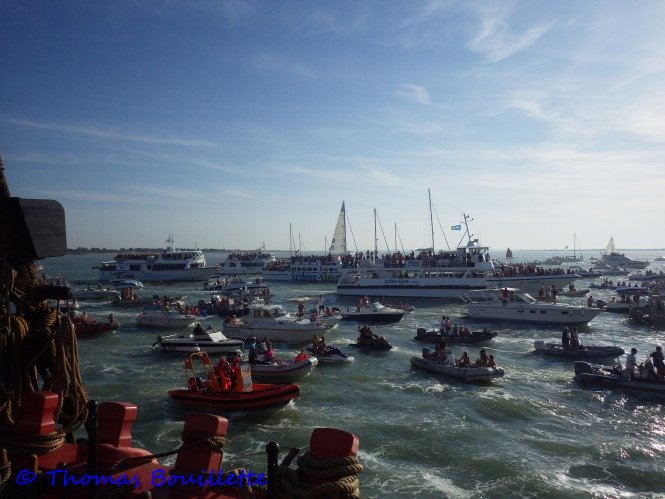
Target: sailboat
{"type": "Point", "coordinates": [314, 268]}
{"type": "Point", "coordinates": [558, 260]}
{"type": "Point", "coordinates": [509, 254]}
{"type": "Point", "coordinates": [613, 258]}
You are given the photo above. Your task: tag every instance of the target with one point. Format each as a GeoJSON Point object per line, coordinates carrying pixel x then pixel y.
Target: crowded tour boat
{"type": "Point", "coordinates": [514, 305]}
{"type": "Point", "coordinates": [245, 262]}
{"type": "Point", "coordinates": [168, 266]}
{"type": "Point", "coordinates": [446, 274]}
{"type": "Point", "coordinates": [272, 322]}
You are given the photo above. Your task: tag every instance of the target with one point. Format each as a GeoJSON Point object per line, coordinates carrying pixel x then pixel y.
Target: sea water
{"type": "Point", "coordinates": [533, 432]}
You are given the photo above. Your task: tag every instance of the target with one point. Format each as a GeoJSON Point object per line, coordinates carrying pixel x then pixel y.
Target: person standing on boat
{"type": "Point", "coordinates": [555, 292]}
{"type": "Point", "coordinates": [322, 304]}
{"type": "Point", "coordinates": [631, 363]}
{"type": "Point", "coordinates": [658, 362]}
{"type": "Point", "coordinates": [565, 339]}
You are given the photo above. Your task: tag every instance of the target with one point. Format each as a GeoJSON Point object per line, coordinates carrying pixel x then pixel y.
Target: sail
{"type": "Point", "coordinates": [509, 254]}
{"type": "Point", "coordinates": [610, 246]}
{"type": "Point", "coordinates": [338, 243]}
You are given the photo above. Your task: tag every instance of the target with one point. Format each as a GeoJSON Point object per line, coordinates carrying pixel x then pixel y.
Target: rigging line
{"type": "Point", "coordinates": [348, 221]}
{"type": "Point", "coordinates": [399, 236]}
{"type": "Point", "coordinates": [384, 234]}
{"type": "Point", "coordinates": [441, 227]}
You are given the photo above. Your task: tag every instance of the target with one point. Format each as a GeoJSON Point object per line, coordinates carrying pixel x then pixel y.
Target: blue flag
{"type": "Point", "coordinates": [455, 227]}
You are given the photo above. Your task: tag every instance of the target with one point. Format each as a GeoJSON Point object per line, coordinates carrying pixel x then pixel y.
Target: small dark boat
{"type": "Point", "coordinates": [583, 352]}
{"type": "Point", "coordinates": [370, 341]}
{"type": "Point", "coordinates": [435, 336]}
{"type": "Point", "coordinates": [330, 355]}
{"type": "Point", "coordinates": [618, 379]}
{"type": "Point", "coordinates": [88, 328]}
{"type": "Point", "coordinates": [231, 391]}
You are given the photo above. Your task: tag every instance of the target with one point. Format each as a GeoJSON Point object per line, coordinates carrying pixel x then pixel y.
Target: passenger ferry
{"type": "Point", "coordinates": [305, 269]}
{"type": "Point", "coordinates": [447, 274]}
{"type": "Point", "coordinates": [168, 266]}
{"type": "Point", "coordinates": [245, 262]}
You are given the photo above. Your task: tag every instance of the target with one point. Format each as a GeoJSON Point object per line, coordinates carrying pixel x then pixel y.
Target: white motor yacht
{"type": "Point", "coordinates": [165, 319]}
{"type": "Point", "coordinates": [209, 341]}
{"type": "Point", "coordinates": [613, 258]}
{"type": "Point", "coordinates": [245, 262]}
{"type": "Point", "coordinates": [514, 305]}
{"type": "Point", "coordinates": [273, 322]}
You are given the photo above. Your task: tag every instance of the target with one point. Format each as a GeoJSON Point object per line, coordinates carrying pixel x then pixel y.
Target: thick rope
{"type": "Point", "coordinates": [39, 444]}
{"type": "Point", "coordinates": [189, 440]}
{"type": "Point", "coordinates": [34, 343]}
{"type": "Point", "coordinates": [5, 474]}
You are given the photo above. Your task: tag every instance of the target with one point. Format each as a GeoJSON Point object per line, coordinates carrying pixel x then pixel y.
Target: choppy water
{"type": "Point", "coordinates": [532, 433]}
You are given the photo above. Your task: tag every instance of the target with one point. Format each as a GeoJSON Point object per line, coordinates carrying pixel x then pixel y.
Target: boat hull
{"type": "Point", "coordinates": [589, 352]}
{"type": "Point", "coordinates": [167, 322]}
{"type": "Point", "coordinates": [529, 315]}
{"type": "Point", "coordinates": [295, 335]}
{"type": "Point", "coordinates": [95, 328]}
{"type": "Point", "coordinates": [373, 317]}
{"type": "Point", "coordinates": [286, 373]}
{"type": "Point", "coordinates": [261, 397]}
{"type": "Point", "coordinates": [465, 374]}
{"type": "Point", "coordinates": [638, 387]}
{"type": "Point", "coordinates": [190, 346]}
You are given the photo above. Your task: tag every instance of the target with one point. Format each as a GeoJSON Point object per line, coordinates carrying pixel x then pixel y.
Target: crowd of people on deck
{"type": "Point", "coordinates": [548, 294]}
{"type": "Point", "coordinates": [247, 256]}
{"type": "Point", "coordinates": [528, 270]}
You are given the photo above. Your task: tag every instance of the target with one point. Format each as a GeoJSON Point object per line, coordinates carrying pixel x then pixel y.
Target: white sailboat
{"type": "Point", "coordinates": [558, 260]}
{"type": "Point", "coordinates": [313, 268]}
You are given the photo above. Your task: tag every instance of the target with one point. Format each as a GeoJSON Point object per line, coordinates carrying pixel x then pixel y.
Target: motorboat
{"type": "Point", "coordinates": [435, 336]}
{"type": "Point", "coordinates": [624, 305]}
{"type": "Point", "coordinates": [90, 327]}
{"type": "Point", "coordinates": [277, 371]}
{"type": "Point", "coordinates": [273, 322]}
{"type": "Point", "coordinates": [330, 355]}
{"type": "Point", "coordinates": [245, 262]}
{"type": "Point", "coordinates": [169, 265]}
{"type": "Point", "coordinates": [613, 258]}
{"type": "Point", "coordinates": [585, 273]}
{"type": "Point", "coordinates": [645, 382]}
{"type": "Point", "coordinates": [582, 352]}
{"type": "Point", "coordinates": [514, 305]}
{"type": "Point", "coordinates": [126, 283]}
{"type": "Point", "coordinates": [659, 259]}
{"type": "Point", "coordinates": [648, 275]}
{"type": "Point", "coordinates": [201, 340]}
{"type": "Point", "coordinates": [236, 287]}
{"type": "Point", "coordinates": [166, 319]}
{"type": "Point", "coordinates": [373, 312]}
{"type": "Point", "coordinates": [558, 260]}
{"type": "Point", "coordinates": [229, 387]}
{"type": "Point", "coordinates": [370, 341]}
{"type": "Point", "coordinates": [609, 270]}
{"type": "Point", "coordinates": [449, 370]}
{"type": "Point", "coordinates": [95, 294]}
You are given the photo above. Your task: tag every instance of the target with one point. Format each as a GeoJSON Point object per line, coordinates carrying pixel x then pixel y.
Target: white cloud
{"type": "Point", "coordinates": [495, 41]}
{"type": "Point", "coordinates": [414, 93]}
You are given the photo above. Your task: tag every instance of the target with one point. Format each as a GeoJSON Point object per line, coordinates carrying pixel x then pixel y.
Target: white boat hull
{"type": "Point", "coordinates": [167, 322]}
{"type": "Point", "coordinates": [294, 334]}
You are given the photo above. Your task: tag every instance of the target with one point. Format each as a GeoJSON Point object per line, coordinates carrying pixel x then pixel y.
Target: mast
{"type": "Point", "coordinates": [325, 244]}
{"type": "Point", "coordinates": [431, 220]}
{"type": "Point", "coordinates": [395, 237]}
{"type": "Point", "coordinates": [574, 243]}
{"type": "Point", "coordinates": [290, 239]}
{"type": "Point", "coordinates": [376, 241]}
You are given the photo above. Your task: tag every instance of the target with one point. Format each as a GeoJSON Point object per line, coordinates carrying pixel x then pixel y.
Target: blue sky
{"type": "Point", "coordinates": [223, 122]}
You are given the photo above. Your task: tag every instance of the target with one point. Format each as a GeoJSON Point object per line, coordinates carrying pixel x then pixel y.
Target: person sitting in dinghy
{"type": "Point", "coordinates": [491, 362]}
{"type": "Point", "coordinates": [484, 360]}
{"type": "Point", "coordinates": [464, 360]}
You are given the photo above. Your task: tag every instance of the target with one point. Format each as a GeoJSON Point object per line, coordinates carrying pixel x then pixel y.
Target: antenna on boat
{"type": "Point", "coordinates": [395, 237]}
{"type": "Point", "coordinates": [290, 239]}
{"type": "Point", "coordinates": [466, 224]}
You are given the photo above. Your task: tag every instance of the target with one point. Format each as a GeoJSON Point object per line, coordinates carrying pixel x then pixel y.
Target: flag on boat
{"type": "Point", "coordinates": [455, 227]}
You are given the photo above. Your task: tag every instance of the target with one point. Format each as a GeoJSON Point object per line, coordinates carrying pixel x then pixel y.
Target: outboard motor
{"type": "Point", "coordinates": [583, 367]}
{"type": "Point", "coordinates": [421, 331]}
{"type": "Point", "coordinates": [600, 303]}
{"type": "Point", "coordinates": [539, 344]}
